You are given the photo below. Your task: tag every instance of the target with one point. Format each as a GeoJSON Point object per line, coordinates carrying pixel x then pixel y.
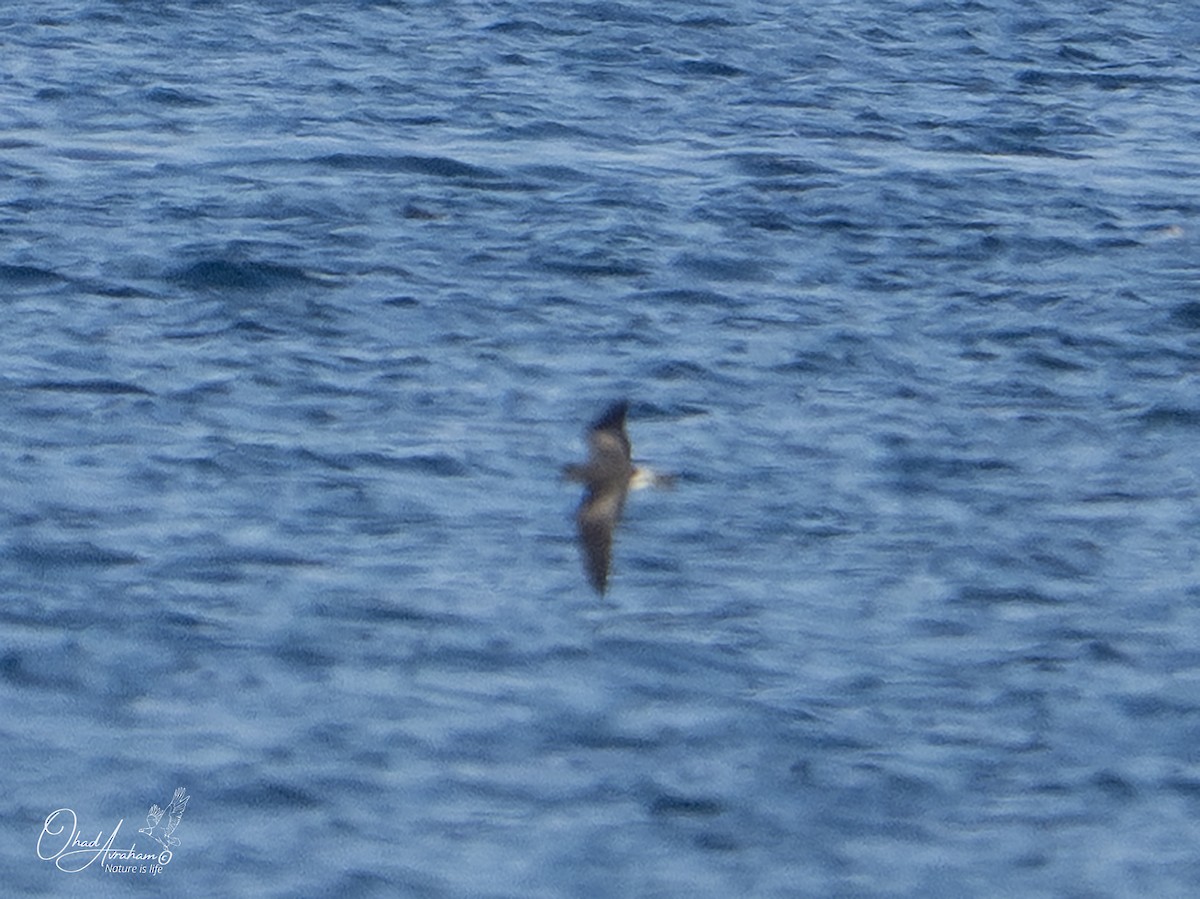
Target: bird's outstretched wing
{"type": "Point", "coordinates": [607, 436]}
{"type": "Point", "coordinates": [178, 804]}
{"type": "Point", "coordinates": [606, 475]}
{"type": "Point", "coordinates": [152, 818]}
{"type": "Point", "coordinates": [597, 519]}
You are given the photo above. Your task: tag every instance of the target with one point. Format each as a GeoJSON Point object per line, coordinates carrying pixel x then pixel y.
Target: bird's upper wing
{"type": "Point", "coordinates": [609, 458]}
{"type": "Point", "coordinates": [610, 443]}
{"type": "Point", "coordinates": [606, 475]}
{"type": "Point", "coordinates": [178, 804]}
{"type": "Point", "coordinates": [154, 815]}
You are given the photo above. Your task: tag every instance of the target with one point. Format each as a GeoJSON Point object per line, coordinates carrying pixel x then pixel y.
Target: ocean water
{"type": "Point", "coordinates": [306, 304]}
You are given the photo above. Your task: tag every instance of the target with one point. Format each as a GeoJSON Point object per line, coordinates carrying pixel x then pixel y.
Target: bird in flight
{"type": "Point", "coordinates": [174, 813]}
{"type": "Point", "coordinates": [608, 475]}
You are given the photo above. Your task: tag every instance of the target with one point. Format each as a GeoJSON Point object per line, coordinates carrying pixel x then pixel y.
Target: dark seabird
{"type": "Point", "coordinates": [609, 474]}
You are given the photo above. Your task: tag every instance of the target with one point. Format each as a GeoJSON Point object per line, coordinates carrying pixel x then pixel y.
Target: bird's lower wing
{"type": "Point", "coordinates": [597, 520]}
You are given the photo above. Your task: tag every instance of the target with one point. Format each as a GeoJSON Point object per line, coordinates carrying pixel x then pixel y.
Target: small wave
{"type": "Point", "coordinates": [590, 266]}
{"type": "Point", "coordinates": [688, 296]}
{"type": "Point", "coordinates": [773, 165]}
{"type": "Point", "coordinates": [526, 27]}
{"type": "Point", "coordinates": [990, 596]}
{"type": "Point", "coordinates": [118, 291]}
{"type": "Point", "coordinates": [267, 794]}
{"type": "Point", "coordinates": [99, 385]}
{"type": "Point", "coordinates": [380, 612]}
{"type": "Point", "coordinates": [27, 274]}
{"type": "Point", "coordinates": [227, 274]}
{"type": "Point", "coordinates": [304, 656]}
{"type": "Point", "coordinates": [559, 174]}
{"type": "Point", "coordinates": [667, 805]}
{"type": "Point", "coordinates": [439, 464]}
{"type": "Point", "coordinates": [68, 555]}
{"type": "Point", "coordinates": [723, 268]}
{"type": "Point", "coordinates": [1187, 315]}
{"type": "Point", "coordinates": [708, 68]}
{"type": "Point", "coordinates": [29, 669]}
{"type": "Point", "coordinates": [1171, 417]}
{"type": "Point", "coordinates": [678, 370]}
{"type": "Point", "coordinates": [169, 96]}
{"type": "Point", "coordinates": [1104, 81]}
{"type": "Point", "coordinates": [545, 130]}
{"type": "Point", "coordinates": [438, 166]}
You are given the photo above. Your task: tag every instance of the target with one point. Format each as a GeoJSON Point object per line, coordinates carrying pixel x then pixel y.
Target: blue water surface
{"type": "Point", "coordinates": [306, 304]}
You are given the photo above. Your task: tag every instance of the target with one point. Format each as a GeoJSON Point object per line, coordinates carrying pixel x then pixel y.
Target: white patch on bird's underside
{"type": "Point", "coordinates": [647, 477]}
